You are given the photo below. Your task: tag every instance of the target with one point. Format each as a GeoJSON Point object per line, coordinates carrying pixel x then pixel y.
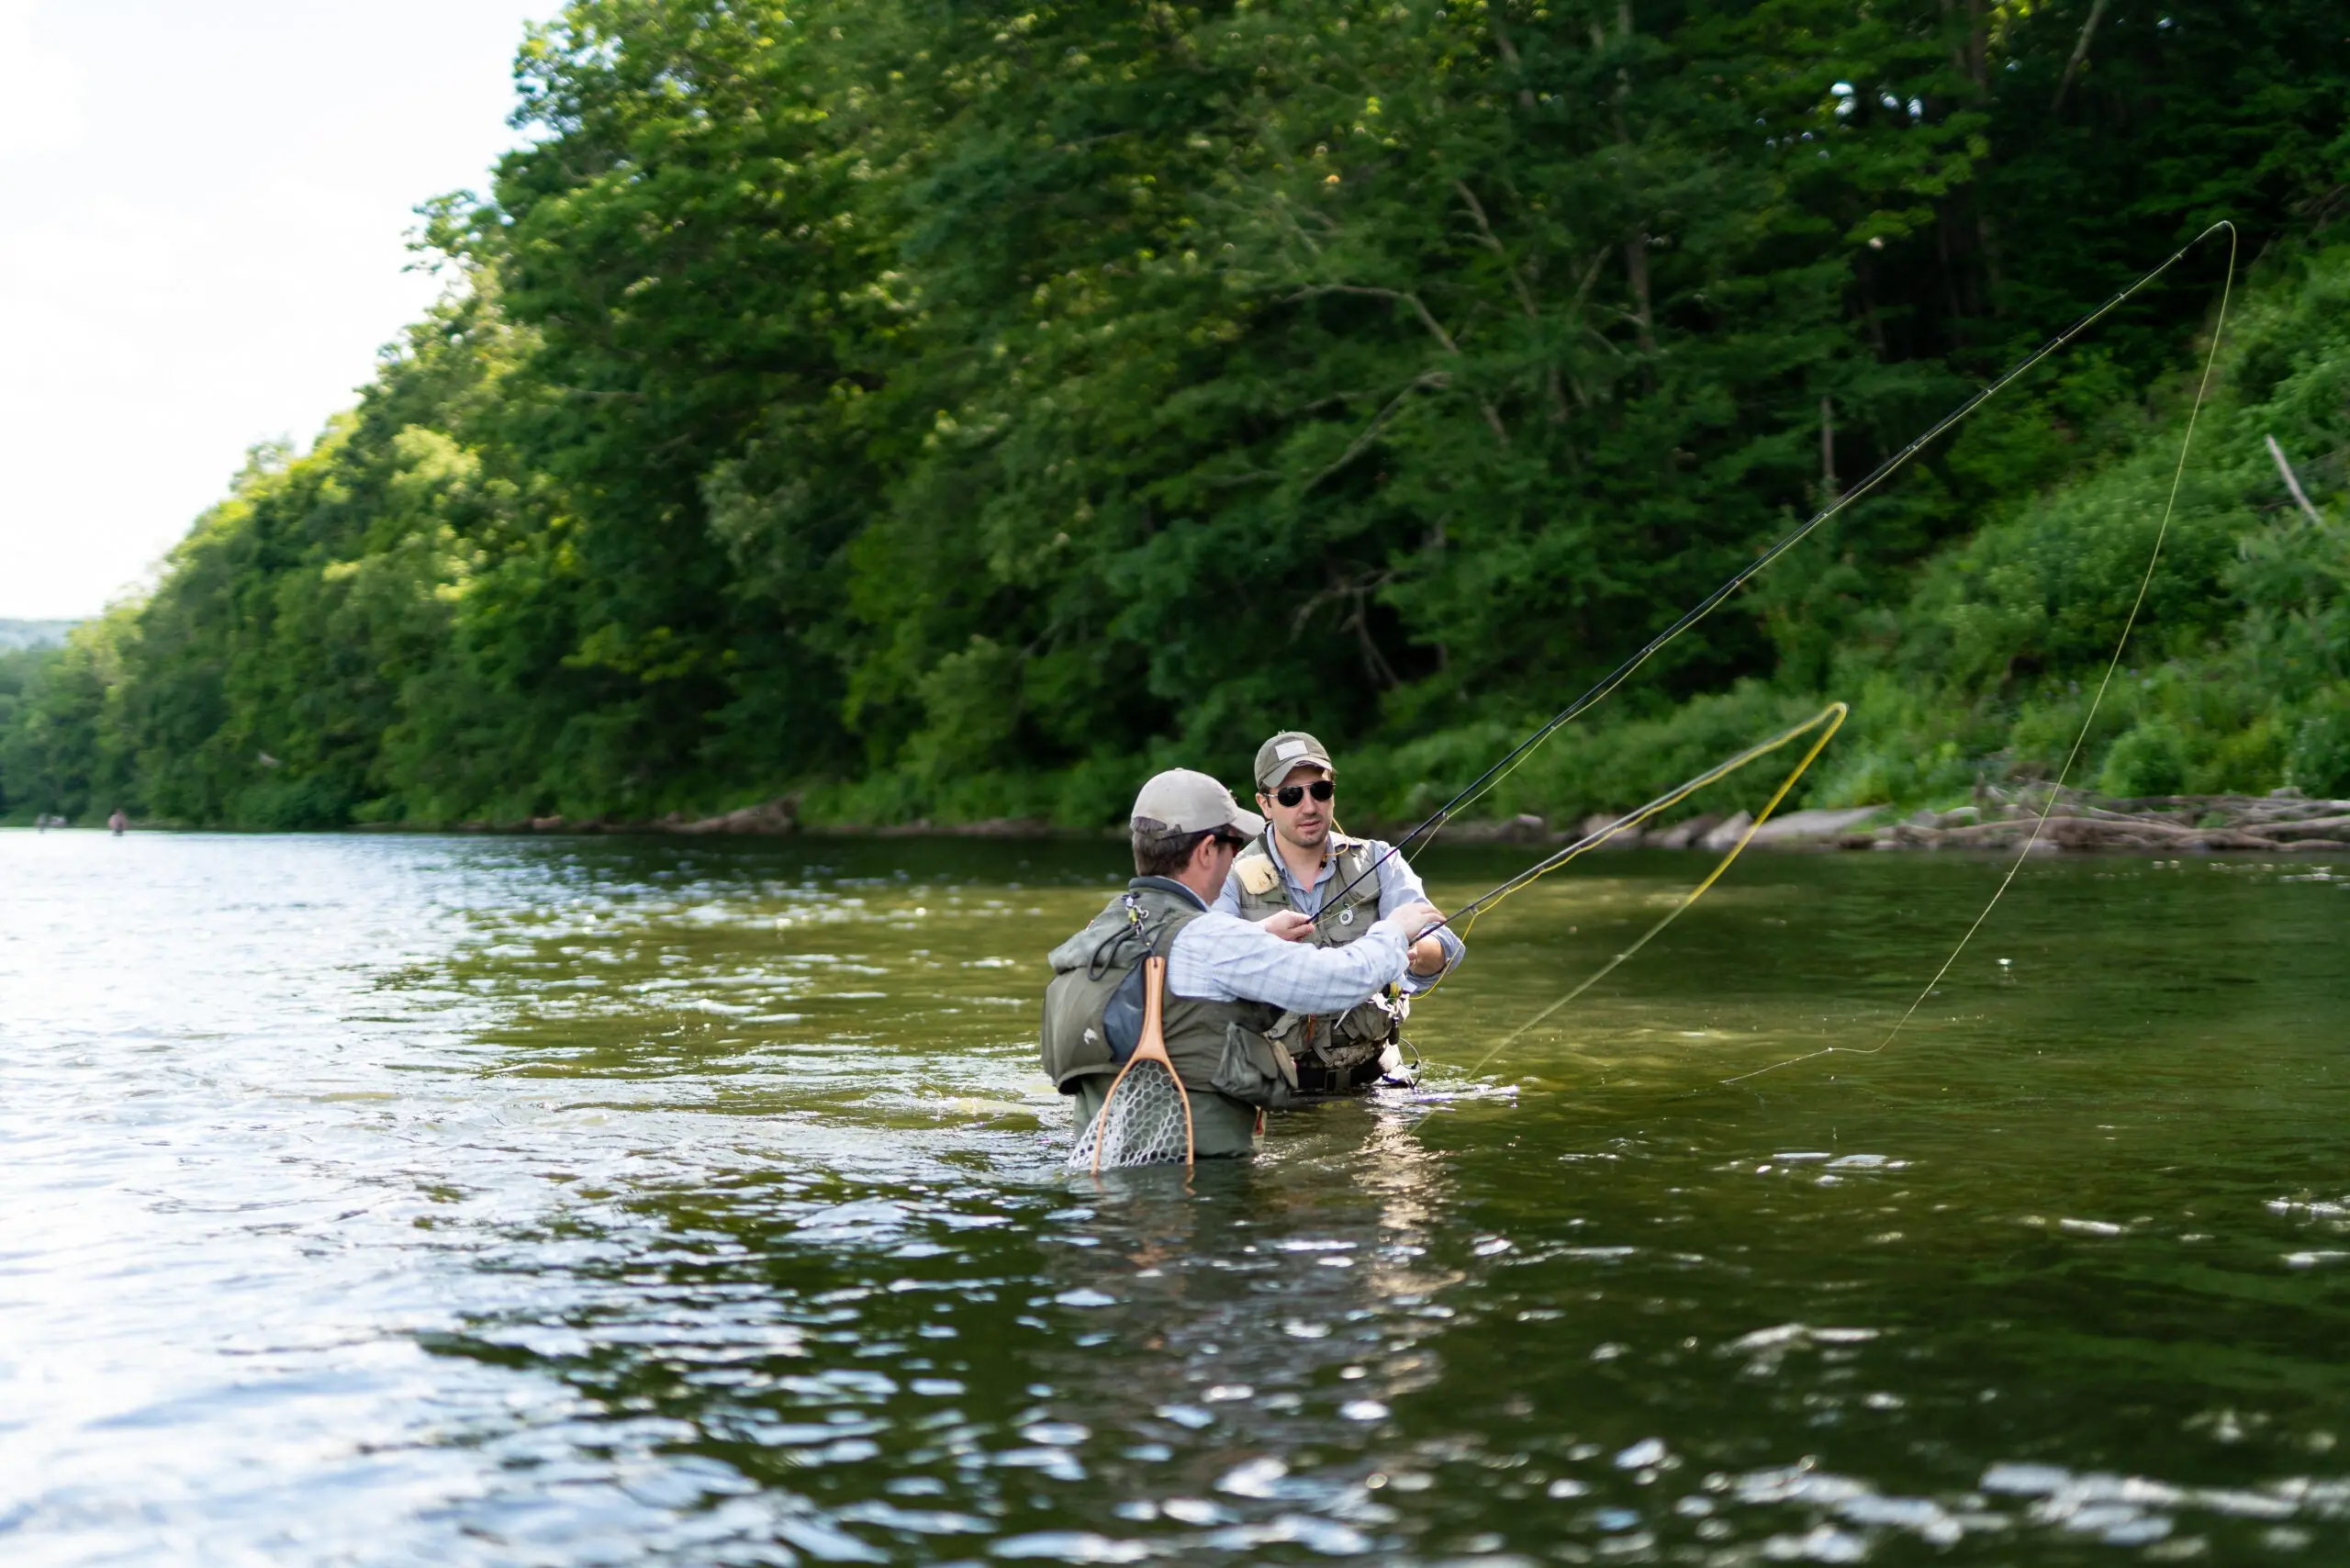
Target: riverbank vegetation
{"type": "Point", "coordinates": [953, 412]}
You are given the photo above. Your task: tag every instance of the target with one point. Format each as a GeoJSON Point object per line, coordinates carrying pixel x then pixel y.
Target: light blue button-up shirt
{"type": "Point", "coordinates": [1398, 885]}
{"type": "Point", "coordinates": [1222, 958]}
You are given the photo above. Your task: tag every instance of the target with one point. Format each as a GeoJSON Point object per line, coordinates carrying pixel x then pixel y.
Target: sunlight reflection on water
{"type": "Point", "coordinates": [386, 1200]}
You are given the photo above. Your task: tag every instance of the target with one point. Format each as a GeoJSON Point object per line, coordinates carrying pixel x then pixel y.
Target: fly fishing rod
{"type": "Point", "coordinates": [1821, 726]}
{"type": "Point", "coordinates": [1827, 720]}
{"type": "Point", "coordinates": [2080, 739]}
{"type": "Point", "coordinates": [1746, 574]}
{"type": "Point", "coordinates": [2096, 700]}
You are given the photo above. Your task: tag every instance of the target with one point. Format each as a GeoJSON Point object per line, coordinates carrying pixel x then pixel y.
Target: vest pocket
{"type": "Point", "coordinates": [1254, 1070]}
{"type": "Point", "coordinates": [1376, 1023]}
{"type": "Point", "coordinates": [1071, 1045]}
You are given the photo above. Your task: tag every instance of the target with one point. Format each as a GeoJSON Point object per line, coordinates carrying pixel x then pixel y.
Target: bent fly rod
{"type": "Point", "coordinates": [1746, 574]}
{"type": "Point", "coordinates": [1827, 720]}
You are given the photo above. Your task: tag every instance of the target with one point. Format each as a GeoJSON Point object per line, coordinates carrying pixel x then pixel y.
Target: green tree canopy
{"type": "Point", "coordinates": [952, 411]}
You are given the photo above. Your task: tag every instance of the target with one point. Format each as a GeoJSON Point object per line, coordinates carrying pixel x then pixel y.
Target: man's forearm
{"type": "Point", "coordinates": [1232, 960]}
{"type": "Point", "coordinates": [1432, 956]}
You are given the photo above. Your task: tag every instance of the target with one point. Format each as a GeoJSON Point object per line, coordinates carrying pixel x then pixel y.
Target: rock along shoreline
{"type": "Point", "coordinates": [2284, 822]}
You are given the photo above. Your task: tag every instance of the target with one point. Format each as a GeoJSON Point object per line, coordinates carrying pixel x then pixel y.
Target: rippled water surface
{"type": "Point", "coordinates": [457, 1201]}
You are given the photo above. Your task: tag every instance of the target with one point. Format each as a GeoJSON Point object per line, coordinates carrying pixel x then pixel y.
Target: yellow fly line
{"type": "Point", "coordinates": [1484, 782]}
{"type": "Point", "coordinates": [1829, 719]}
{"type": "Point", "coordinates": [2129, 624]}
{"type": "Point", "coordinates": [1822, 727]}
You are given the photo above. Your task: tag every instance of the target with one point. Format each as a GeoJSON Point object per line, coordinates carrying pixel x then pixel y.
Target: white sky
{"type": "Point", "coordinates": [203, 205]}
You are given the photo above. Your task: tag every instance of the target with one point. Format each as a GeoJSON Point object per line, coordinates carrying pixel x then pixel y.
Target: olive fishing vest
{"type": "Point", "coordinates": [1093, 1006]}
{"type": "Point", "coordinates": [1362, 1033]}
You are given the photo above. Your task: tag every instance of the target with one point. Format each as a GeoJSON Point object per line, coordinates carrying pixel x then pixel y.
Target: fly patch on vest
{"type": "Point", "coordinates": [1259, 876]}
{"type": "Point", "coordinates": [1354, 886]}
{"type": "Point", "coordinates": [1362, 1032]}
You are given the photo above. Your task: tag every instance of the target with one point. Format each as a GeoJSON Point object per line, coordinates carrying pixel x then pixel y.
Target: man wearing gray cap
{"type": "Point", "coordinates": [1296, 865]}
{"type": "Point", "coordinates": [1227, 980]}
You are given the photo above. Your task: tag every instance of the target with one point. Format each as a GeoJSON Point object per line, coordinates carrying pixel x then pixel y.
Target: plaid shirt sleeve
{"type": "Point", "coordinates": [1222, 958]}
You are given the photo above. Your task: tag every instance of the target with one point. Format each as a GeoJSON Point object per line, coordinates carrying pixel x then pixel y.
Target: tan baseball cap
{"type": "Point", "coordinates": [1291, 748]}
{"type": "Point", "coordinates": [1184, 801]}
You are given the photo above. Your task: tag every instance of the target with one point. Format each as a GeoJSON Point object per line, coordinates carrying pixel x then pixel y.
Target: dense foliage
{"type": "Point", "coordinates": [952, 411]}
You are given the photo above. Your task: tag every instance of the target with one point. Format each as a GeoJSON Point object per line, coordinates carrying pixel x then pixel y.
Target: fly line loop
{"type": "Point", "coordinates": [1510, 761]}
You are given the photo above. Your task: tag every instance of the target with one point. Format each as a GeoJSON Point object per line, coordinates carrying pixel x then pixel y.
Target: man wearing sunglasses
{"type": "Point", "coordinates": [1226, 979]}
{"type": "Point", "coordinates": [1301, 863]}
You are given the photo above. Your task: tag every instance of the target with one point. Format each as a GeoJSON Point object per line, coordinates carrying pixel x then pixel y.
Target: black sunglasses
{"type": "Point", "coordinates": [1291, 794]}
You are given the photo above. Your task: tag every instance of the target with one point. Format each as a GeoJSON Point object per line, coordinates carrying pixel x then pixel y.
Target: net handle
{"type": "Point", "coordinates": [1152, 1047]}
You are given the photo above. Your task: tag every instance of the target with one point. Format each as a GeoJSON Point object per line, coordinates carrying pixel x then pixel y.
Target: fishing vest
{"type": "Point", "coordinates": [1094, 1003]}
{"type": "Point", "coordinates": [1345, 1042]}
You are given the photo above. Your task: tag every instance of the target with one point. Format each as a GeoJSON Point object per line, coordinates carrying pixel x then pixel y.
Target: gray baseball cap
{"type": "Point", "coordinates": [1291, 748]}
{"type": "Point", "coordinates": [1183, 802]}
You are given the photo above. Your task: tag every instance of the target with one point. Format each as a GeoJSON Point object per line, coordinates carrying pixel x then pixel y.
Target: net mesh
{"type": "Point", "coordinates": [1142, 1123]}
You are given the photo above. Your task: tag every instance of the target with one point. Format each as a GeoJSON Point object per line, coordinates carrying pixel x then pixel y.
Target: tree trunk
{"type": "Point", "coordinates": [1827, 449]}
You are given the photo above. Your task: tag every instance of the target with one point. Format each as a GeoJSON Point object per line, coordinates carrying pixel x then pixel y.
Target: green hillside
{"type": "Point", "coordinates": [953, 412]}
{"type": "Point", "coordinates": [16, 635]}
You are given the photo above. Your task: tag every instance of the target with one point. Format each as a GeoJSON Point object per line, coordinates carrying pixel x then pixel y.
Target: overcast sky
{"type": "Point", "coordinates": [202, 211]}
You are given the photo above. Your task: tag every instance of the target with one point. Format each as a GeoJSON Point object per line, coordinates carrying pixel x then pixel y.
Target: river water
{"type": "Point", "coordinates": [378, 1200]}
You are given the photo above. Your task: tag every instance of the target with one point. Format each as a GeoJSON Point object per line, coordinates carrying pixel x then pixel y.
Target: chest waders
{"type": "Point", "coordinates": [1332, 1053]}
{"type": "Point", "coordinates": [1094, 1011]}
